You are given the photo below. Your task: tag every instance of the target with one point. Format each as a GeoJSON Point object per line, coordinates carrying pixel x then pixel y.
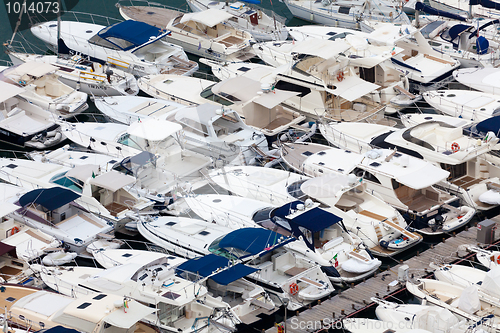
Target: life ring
{"type": "Point", "coordinates": [14, 231]}
{"type": "Point", "coordinates": [294, 288]}
{"type": "Point", "coordinates": [498, 259]}
{"type": "Point", "coordinates": [340, 76]}
{"type": "Point", "coordinates": [455, 147]}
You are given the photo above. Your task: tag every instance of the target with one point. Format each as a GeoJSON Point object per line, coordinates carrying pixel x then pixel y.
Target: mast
{"type": "Point", "coordinates": [58, 26]}
{"type": "Point", "coordinates": [18, 23]}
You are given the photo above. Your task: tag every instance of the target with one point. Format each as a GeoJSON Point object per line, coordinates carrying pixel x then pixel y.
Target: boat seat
{"type": "Point", "coordinates": [53, 89]}
{"type": "Point", "coordinates": [235, 289]}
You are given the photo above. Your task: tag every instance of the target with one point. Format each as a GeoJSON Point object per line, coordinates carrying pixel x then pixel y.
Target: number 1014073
{"type": "Point", "coordinates": [36, 7]}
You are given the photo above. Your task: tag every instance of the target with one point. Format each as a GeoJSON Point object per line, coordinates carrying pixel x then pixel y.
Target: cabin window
{"type": "Point", "coordinates": [102, 42]}
{"type": "Point", "coordinates": [367, 74]}
{"type": "Point", "coordinates": [121, 43]}
{"type": "Point", "coordinates": [341, 35]}
{"type": "Point", "coordinates": [344, 10]}
{"type": "Point", "coordinates": [169, 313]}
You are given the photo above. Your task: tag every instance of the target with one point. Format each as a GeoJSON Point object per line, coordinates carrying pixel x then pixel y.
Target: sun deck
{"type": "Point", "coordinates": [157, 16]}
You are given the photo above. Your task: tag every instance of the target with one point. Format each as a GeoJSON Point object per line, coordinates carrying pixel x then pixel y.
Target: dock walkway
{"type": "Point", "coordinates": [347, 303]}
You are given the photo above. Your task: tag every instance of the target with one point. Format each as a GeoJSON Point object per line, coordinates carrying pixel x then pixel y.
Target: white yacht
{"type": "Point", "coordinates": [162, 140]}
{"type": "Point", "coordinates": [55, 212]}
{"type": "Point", "coordinates": [141, 53]}
{"type": "Point", "coordinates": [36, 309]}
{"type": "Point", "coordinates": [470, 43]}
{"type": "Point", "coordinates": [347, 14]}
{"type": "Point", "coordinates": [264, 25]}
{"type": "Point", "coordinates": [43, 88]}
{"type": "Point", "coordinates": [470, 105]}
{"type": "Point", "coordinates": [465, 303]}
{"type": "Point", "coordinates": [181, 305]}
{"type": "Point", "coordinates": [482, 79]}
{"type": "Point", "coordinates": [210, 130]}
{"type": "Point", "coordinates": [377, 224]}
{"type": "Point", "coordinates": [101, 193]}
{"type": "Point", "coordinates": [205, 34]}
{"type": "Point", "coordinates": [462, 275]}
{"type": "Point", "coordinates": [83, 75]}
{"type": "Point", "coordinates": [256, 104]}
{"type": "Point", "coordinates": [405, 182]}
{"type": "Point", "coordinates": [472, 177]}
{"type": "Point", "coordinates": [24, 124]}
{"type": "Point", "coordinates": [30, 243]}
{"type": "Point", "coordinates": [340, 253]}
{"type": "Point", "coordinates": [280, 272]}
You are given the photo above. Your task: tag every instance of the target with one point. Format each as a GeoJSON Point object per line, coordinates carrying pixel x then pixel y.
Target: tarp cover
{"type": "Point", "coordinates": [482, 45]}
{"type": "Point", "coordinates": [426, 318]}
{"type": "Point", "coordinates": [50, 198]}
{"type": "Point", "coordinates": [253, 240]}
{"type": "Point", "coordinates": [491, 124]}
{"type": "Point", "coordinates": [204, 266]}
{"type": "Point", "coordinates": [322, 48]}
{"type": "Point", "coordinates": [469, 300]}
{"type": "Point", "coordinates": [134, 32]}
{"type": "Point", "coordinates": [112, 180]}
{"type": "Point", "coordinates": [491, 282]}
{"type": "Point", "coordinates": [485, 3]}
{"type": "Point", "coordinates": [209, 17]}
{"type": "Point", "coordinates": [315, 219]}
{"type": "Point", "coordinates": [432, 11]}
{"type": "Point", "coordinates": [60, 329]}
{"type": "Point", "coordinates": [8, 90]}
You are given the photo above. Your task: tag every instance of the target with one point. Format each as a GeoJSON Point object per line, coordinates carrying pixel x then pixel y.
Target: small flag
{"type": "Point", "coordinates": [336, 261]}
{"type": "Point", "coordinates": [199, 46]}
{"type": "Point", "coordinates": [93, 174]}
{"type": "Point", "coordinates": [407, 31]}
{"type": "Point", "coordinates": [125, 305]}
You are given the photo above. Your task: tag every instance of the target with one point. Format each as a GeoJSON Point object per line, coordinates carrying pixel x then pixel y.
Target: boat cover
{"type": "Point", "coordinates": [489, 125]}
{"type": "Point", "coordinates": [253, 240]}
{"type": "Point", "coordinates": [322, 48]}
{"type": "Point", "coordinates": [209, 17]}
{"type": "Point", "coordinates": [60, 329]}
{"type": "Point", "coordinates": [209, 264]}
{"type": "Point", "coordinates": [83, 172]}
{"type": "Point", "coordinates": [35, 69]}
{"type": "Point", "coordinates": [134, 32]}
{"type": "Point", "coordinates": [482, 45]}
{"type": "Point", "coordinates": [8, 90]}
{"type": "Point", "coordinates": [485, 3]}
{"type": "Point", "coordinates": [352, 88]}
{"type": "Point", "coordinates": [50, 198]}
{"type": "Point", "coordinates": [469, 300]}
{"type": "Point", "coordinates": [491, 282]}
{"type": "Point", "coordinates": [455, 31]}
{"type": "Point", "coordinates": [432, 11]}
{"type": "Point", "coordinates": [315, 219]}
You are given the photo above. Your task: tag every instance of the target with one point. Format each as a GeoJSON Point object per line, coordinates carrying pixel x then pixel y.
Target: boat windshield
{"type": "Point", "coordinates": [132, 141]}
{"type": "Point", "coordinates": [229, 253]}
{"type": "Point", "coordinates": [295, 191]}
{"type": "Point", "coordinates": [208, 94]}
{"type": "Point", "coordinates": [68, 182]}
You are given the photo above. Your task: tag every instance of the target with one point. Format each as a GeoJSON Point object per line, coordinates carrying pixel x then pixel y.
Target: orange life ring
{"type": "Point", "coordinates": [455, 147]}
{"type": "Point", "coordinates": [294, 288]}
{"type": "Point", "coordinates": [14, 230]}
{"type": "Point", "coordinates": [498, 259]}
{"type": "Point", "coordinates": [340, 76]}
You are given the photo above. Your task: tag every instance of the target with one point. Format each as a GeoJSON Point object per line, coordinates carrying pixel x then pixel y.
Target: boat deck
{"type": "Point", "coordinates": [157, 16]}
{"type": "Point", "coordinates": [349, 302]}
{"type": "Point", "coordinates": [13, 293]}
{"type": "Point", "coordinates": [295, 157]}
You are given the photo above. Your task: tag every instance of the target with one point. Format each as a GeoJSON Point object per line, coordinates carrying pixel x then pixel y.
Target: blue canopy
{"type": "Point", "coordinates": [485, 3]}
{"type": "Point", "coordinates": [253, 240]}
{"type": "Point", "coordinates": [60, 329]}
{"type": "Point", "coordinates": [255, 2]}
{"type": "Point", "coordinates": [456, 30]}
{"type": "Point", "coordinates": [432, 11]}
{"type": "Point", "coordinates": [50, 198]}
{"type": "Point", "coordinates": [204, 266]}
{"type": "Point", "coordinates": [315, 219]}
{"type": "Point", "coordinates": [134, 32]}
{"type": "Point", "coordinates": [483, 27]}
{"type": "Point", "coordinates": [491, 124]}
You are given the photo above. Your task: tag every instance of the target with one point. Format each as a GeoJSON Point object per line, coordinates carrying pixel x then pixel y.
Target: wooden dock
{"type": "Point", "coordinates": [355, 299]}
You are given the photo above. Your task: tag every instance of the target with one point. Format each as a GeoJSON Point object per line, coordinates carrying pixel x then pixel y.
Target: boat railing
{"type": "Point", "coordinates": [342, 139]}
{"type": "Point", "coordinates": [165, 95]}
{"type": "Point", "coordinates": [147, 3]}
